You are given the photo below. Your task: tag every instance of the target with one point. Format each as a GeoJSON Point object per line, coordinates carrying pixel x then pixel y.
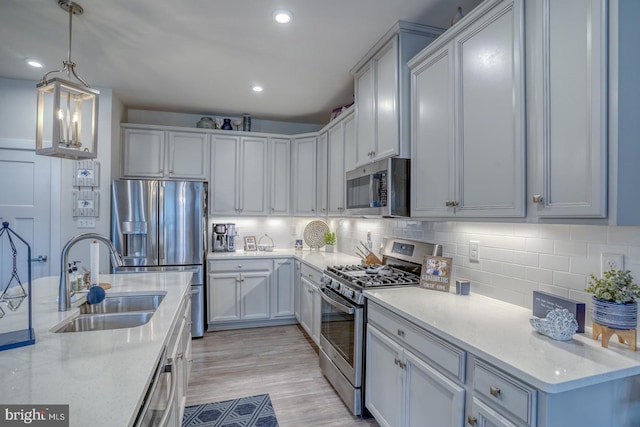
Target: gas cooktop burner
{"type": "Point", "coordinates": [368, 276]}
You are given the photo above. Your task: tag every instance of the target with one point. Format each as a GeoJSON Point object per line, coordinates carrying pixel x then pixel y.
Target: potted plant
{"type": "Point", "coordinates": [614, 299]}
{"type": "Point", "coordinates": [329, 241]}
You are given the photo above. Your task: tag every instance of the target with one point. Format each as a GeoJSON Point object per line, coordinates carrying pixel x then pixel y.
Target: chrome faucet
{"type": "Point", "coordinates": [64, 296]}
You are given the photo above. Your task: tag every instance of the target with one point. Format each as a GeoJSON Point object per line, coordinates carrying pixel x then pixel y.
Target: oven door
{"type": "Point", "coordinates": [341, 334]}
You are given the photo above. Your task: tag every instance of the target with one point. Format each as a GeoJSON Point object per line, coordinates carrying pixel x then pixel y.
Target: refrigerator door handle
{"type": "Point", "coordinates": [161, 225]}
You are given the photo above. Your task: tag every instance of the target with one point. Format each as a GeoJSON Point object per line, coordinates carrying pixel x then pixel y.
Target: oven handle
{"type": "Point", "coordinates": [336, 304]}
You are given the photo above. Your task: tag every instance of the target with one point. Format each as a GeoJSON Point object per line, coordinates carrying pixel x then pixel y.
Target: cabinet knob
{"type": "Point", "coordinates": [313, 210]}
{"type": "Point", "coordinates": [400, 333]}
{"type": "Point", "coordinates": [454, 203]}
{"type": "Point", "coordinates": [239, 265]}
{"type": "Point", "coordinates": [495, 391]}
{"type": "Point", "coordinates": [471, 420]}
{"type": "Point", "coordinates": [537, 198]}
{"type": "Point", "coordinates": [447, 203]}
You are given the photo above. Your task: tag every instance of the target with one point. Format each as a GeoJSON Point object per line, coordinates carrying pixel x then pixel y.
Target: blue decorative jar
{"type": "Point", "coordinates": [226, 125]}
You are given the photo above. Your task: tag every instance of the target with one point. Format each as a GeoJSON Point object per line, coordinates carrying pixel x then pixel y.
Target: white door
{"type": "Point", "coordinates": [254, 290]}
{"type": "Point", "coordinates": [143, 153]}
{"type": "Point", "coordinates": [253, 181]}
{"type": "Point", "coordinates": [304, 177]}
{"type": "Point", "coordinates": [25, 203]}
{"type": "Point", "coordinates": [387, 134]}
{"type": "Point", "coordinates": [188, 155]}
{"type": "Point", "coordinates": [282, 289]}
{"type": "Point", "coordinates": [280, 176]}
{"type": "Point", "coordinates": [223, 292]}
{"type": "Point", "coordinates": [336, 175]}
{"type": "Point", "coordinates": [306, 305]}
{"type": "Point", "coordinates": [224, 175]}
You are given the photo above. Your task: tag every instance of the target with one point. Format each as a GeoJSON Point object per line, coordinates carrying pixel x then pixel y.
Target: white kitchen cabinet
{"type": "Point", "coordinates": [350, 141]}
{"type": "Point", "coordinates": [297, 292]}
{"type": "Point", "coordinates": [484, 416]}
{"type": "Point", "coordinates": [160, 154]}
{"type": "Point", "coordinates": [468, 139]}
{"type": "Point", "coordinates": [223, 294]}
{"type": "Point", "coordinates": [280, 165]}
{"type": "Point", "coordinates": [568, 95]}
{"type": "Point", "coordinates": [282, 294]}
{"type": "Point", "coordinates": [180, 358]}
{"type": "Point", "coordinates": [239, 176]}
{"type": "Point", "coordinates": [304, 176]}
{"type": "Point", "coordinates": [310, 301]}
{"type": "Point", "coordinates": [402, 388]}
{"type": "Point", "coordinates": [336, 182]}
{"type": "Point", "coordinates": [323, 173]}
{"type": "Point", "coordinates": [382, 88]}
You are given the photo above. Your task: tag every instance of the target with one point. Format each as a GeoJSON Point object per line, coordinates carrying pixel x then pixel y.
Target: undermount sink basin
{"type": "Point", "coordinates": [101, 322]}
{"type": "Point", "coordinates": [123, 303]}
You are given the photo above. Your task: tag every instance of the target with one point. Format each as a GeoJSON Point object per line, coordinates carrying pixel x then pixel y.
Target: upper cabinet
{"type": "Point", "coordinates": [382, 92]}
{"type": "Point", "coordinates": [160, 154]}
{"type": "Point", "coordinates": [567, 89]}
{"type": "Point", "coordinates": [239, 180]}
{"type": "Point", "coordinates": [304, 186]}
{"type": "Point", "coordinates": [280, 164]}
{"type": "Point", "coordinates": [468, 109]}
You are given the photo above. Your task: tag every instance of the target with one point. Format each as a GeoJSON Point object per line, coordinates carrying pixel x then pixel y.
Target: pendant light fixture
{"type": "Point", "coordinates": [67, 122]}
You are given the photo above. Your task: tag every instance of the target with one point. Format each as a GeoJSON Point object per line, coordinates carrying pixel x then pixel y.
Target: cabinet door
{"type": "Point", "coordinates": [188, 155]}
{"type": "Point", "coordinates": [432, 135]}
{"type": "Point", "coordinates": [571, 136]}
{"type": "Point", "coordinates": [306, 305]}
{"type": "Point", "coordinates": [143, 153]}
{"type": "Point", "coordinates": [282, 302]}
{"type": "Point", "coordinates": [365, 117]}
{"type": "Point", "coordinates": [280, 176]}
{"type": "Point", "coordinates": [490, 132]}
{"type": "Point", "coordinates": [304, 179]}
{"type": "Point", "coordinates": [337, 180]}
{"type": "Point", "coordinates": [323, 174]}
{"type": "Point", "coordinates": [224, 175]}
{"type": "Point", "coordinates": [432, 400]}
{"type": "Point", "coordinates": [254, 293]}
{"type": "Point", "coordinates": [350, 142]}
{"type": "Point", "coordinates": [223, 294]}
{"type": "Point", "coordinates": [386, 101]}
{"type": "Point", "coordinates": [383, 378]}
{"type": "Point", "coordinates": [253, 179]}
{"type": "Point", "coordinates": [317, 315]}
{"type": "Point", "coordinates": [484, 416]}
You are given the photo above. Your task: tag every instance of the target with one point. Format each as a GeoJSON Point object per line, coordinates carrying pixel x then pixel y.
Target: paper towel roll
{"type": "Point", "coordinates": [95, 263]}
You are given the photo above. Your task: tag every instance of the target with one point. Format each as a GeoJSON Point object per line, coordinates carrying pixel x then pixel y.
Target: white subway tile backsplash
{"type": "Point", "coordinates": [595, 249]}
{"type": "Point", "coordinates": [571, 248]}
{"type": "Point", "coordinates": [628, 236]}
{"type": "Point", "coordinates": [563, 292]}
{"type": "Point", "coordinates": [543, 246]}
{"type": "Point", "coordinates": [514, 270]}
{"type": "Point", "coordinates": [555, 231]}
{"type": "Point", "coordinates": [495, 254]}
{"type": "Point", "coordinates": [589, 233]}
{"type": "Point", "coordinates": [539, 275]}
{"type": "Point", "coordinates": [554, 262]}
{"type": "Point", "coordinates": [585, 265]}
{"type": "Point", "coordinates": [526, 258]}
{"type": "Point", "coordinates": [570, 280]}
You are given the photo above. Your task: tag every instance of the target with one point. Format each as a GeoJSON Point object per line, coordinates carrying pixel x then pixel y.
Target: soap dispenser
{"type": "Point", "coordinates": [75, 277]}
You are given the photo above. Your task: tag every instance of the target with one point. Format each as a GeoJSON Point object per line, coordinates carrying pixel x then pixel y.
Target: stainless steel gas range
{"type": "Point", "coordinates": [342, 341]}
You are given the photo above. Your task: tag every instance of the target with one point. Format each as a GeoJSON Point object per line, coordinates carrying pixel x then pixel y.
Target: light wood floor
{"type": "Point", "coordinates": [280, 361]}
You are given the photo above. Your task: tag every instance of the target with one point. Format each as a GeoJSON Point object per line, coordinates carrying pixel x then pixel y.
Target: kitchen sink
{"type": "Point", "coordinates": [123, 304]}
{"type": "Point", "coordinates": [101, 322]}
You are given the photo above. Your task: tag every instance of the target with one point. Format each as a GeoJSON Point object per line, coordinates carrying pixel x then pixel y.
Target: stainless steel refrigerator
{"type": "Point", "coordinates": [162, 226]}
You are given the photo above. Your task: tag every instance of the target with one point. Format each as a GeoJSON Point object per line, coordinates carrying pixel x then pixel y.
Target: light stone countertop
{"type": "Point", "coordinates": [102, 375]}
{"type": "Point", "coordinates": [317, 259]}
{"type": "Point", "coordinates": [500, 333]}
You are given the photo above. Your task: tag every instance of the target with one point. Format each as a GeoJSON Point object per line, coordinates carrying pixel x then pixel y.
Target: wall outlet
{"type": "Point", "coordinates": [611, 261]}
{"type": "Point", "coordinates": [474, 250]}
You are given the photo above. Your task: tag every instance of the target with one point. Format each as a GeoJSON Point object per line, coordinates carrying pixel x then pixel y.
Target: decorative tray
{"type": "Point", "coordinates": [314, 234]}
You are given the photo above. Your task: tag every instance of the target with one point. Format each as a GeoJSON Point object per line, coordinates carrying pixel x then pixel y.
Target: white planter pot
{"type": "Point", "coordinates": [328, 248]}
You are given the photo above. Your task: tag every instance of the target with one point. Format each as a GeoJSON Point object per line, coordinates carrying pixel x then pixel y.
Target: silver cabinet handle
{"type": "Point", "coordinates": [537, 198]}
{"type": "Point", "coordinates": [471, 420]}
{"type": "Point", "coordinates": [239, 265]}
{"type": "Point", "coordinates": [400, 333]}
{"type": "Point", "coordinates": [495, 391]}
{"type": "Point", "coordinates": [399, 362]}
{"type": "Point", "coordinates": [40, 258]}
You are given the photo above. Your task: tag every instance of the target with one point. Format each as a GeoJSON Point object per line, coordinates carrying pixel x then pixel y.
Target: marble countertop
{"type": "Point", "coordinates": [317, 259]}
{"type": "Point", "coordinates": [101, 375]}
{"type": "Point", "coordinates": [500, 333]}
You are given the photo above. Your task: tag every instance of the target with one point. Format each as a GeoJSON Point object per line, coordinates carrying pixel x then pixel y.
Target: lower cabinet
{"type": "Point", "coordinates": [403, 389]}
{"type": "Point", "coordinates": [310, 301]}
{"type": "Point", "coordinates": [181, 359]}
{"type": "Point", "coordinates": [247, 293]}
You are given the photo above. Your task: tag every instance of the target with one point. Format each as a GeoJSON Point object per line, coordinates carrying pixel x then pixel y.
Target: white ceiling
{"type": "Point", "coordinates": [202, 56]}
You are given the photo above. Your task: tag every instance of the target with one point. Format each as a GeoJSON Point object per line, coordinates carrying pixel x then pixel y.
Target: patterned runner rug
{"type": "Point", "coordinates": [253, 411]}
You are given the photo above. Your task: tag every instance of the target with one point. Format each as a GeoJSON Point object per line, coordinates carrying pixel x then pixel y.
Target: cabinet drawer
{"type": "Point", "coordinates": [240, 265]}
{"type": "Point", "coordinates": [447, 356]}
{"type": "Point", "coordinates": [504, 391]}
{"type": "Point", "coordinates": [311, 273]}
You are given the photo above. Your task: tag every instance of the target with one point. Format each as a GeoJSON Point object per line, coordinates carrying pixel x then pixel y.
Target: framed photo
{"type": "Point", "coordinates": [436, 273]}
{"type": "Point", "coordinates": [250, 243]}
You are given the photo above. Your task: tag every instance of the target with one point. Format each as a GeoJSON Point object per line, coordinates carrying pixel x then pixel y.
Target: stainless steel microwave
{"type": "Point", "coordinates": [379, 189]}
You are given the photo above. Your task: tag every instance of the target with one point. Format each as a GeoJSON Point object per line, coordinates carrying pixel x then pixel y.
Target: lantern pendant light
{"type": "Point", "coordinates": [67, 121]}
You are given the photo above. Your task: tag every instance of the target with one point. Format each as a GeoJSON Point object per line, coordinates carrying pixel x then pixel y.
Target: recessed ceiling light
{"type": "Point", "coordinates": [257, 88]}
{"type": "Point", "coordinates": [282, 16]}
{"type": "Point", "coordinates": [33, 63]}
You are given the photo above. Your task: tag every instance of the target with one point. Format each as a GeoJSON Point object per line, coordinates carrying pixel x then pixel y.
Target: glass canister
{"type": "Point", "coordinates": [246, 123]}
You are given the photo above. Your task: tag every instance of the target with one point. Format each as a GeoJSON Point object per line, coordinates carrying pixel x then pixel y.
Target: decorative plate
{"type": "Point", "coordinates": [314, 234]}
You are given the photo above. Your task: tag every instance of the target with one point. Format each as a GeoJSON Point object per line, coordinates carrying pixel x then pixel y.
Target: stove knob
{"type": "Point", "coordinates": [335, 285]}
{"type": "Point", "coordinates": [348, 293]}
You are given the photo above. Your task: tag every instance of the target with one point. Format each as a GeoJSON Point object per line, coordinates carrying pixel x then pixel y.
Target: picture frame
{"type": "Point", "coordinates": [436, 273]}
{"type": "Point", "coordinates": [250, 244]}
